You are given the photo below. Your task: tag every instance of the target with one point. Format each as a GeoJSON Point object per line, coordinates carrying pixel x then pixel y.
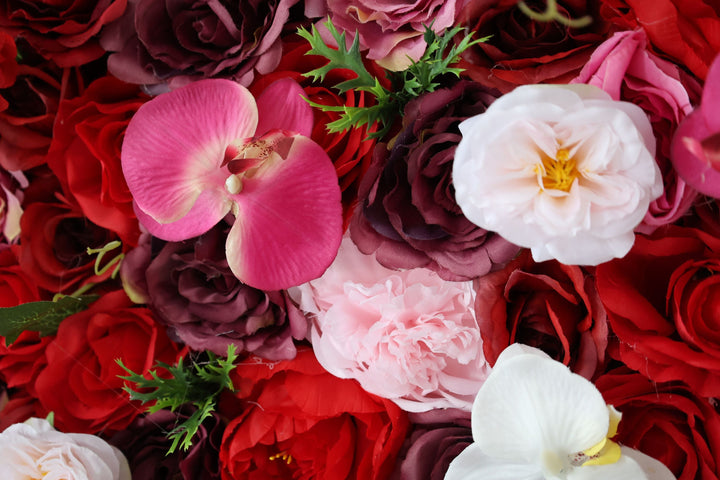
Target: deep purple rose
{"type": "Point", "coordinates": [407, 213]}
{"type": "Point", "coordinates": [175, 42]}
{"type": "Point", "coordinates": [145, 445]}
{"type": "Point", "coordinates": [192, 290]}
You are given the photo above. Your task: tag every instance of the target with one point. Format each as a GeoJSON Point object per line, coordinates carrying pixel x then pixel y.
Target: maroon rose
{"type": "Point", "coordinates": [407, 212]}
{"type": "Point", "coordinates": [525, 51]}
{"type": "Point", "coordinates": [547, 305]}
{"type": "Point", "coordinates": [175, 42]}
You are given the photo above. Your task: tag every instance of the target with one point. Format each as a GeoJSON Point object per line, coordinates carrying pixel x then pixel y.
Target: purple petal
{"type": "Point", "coordinates": [289, 224]}
{"type": "Point", "coordinates": [281, 107]}
{"type": "Point", "coordinates": [175, 145]}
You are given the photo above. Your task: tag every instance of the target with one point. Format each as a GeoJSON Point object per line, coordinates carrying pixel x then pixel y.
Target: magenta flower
{"type": "Point", "coordinates": [695, 151]}
{"type": "Point", "coordinates": [193, 155]}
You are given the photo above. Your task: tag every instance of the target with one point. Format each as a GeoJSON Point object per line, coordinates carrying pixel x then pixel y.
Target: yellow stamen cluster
{"type": "Point", "coordinates": [559, 172]}
{"type": "Point", "coordinates": [286, 457]}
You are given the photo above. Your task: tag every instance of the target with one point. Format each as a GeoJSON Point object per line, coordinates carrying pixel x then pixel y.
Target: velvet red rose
{"type": "Point", "coordinates": [80, 383]}
{"type": "Point", "coordinates": [548, 305]}
{"type": "Point", "coordinates": [85, 154]}
{"type": "Point", "coordinates": [666, 421]}
{"type": "Point", "coordinates": [298, 421]}
{"type": "Point", "coordinates": [663, 305]}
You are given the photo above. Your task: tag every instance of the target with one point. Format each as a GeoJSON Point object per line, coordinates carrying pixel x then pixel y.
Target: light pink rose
{"type": "Point", "coordinates": [408, 336]}
{"type": "Point", "coordinates": [624, 68]}
{"type": "Point", "coordinates": [34, 449]}
{"type": "Point", "coordinates": [392, 31]}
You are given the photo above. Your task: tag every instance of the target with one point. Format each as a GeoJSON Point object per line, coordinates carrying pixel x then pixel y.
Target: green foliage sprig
{"type": "Point", "coordinates": [420, 77]}
{"type": "Point", "coordinates": [198, 384]}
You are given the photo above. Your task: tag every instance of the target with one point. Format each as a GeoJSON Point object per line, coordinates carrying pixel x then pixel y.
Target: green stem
{"type": "Point", "coordinates": [551, 13]}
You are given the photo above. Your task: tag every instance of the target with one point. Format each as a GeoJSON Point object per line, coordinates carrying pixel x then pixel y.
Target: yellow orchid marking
{"type": "Point", "coordinates": [605, 451]}
{"type": "Point", "coordinates": [284, 455]}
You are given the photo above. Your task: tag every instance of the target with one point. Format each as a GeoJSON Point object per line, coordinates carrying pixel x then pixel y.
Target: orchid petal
{"type": "Point", "coordinates": [175, 144]}
{"type": "Point", "coordinates": [473, 464]}
{"type": "Point", "coordinates": [281, 106]}
{"type": "Point", "coordinates": [653, 469]}
{"type": "Point", "coordinates": [289, 220]}
{"type": "Point", "coordinates": [626, 468]}
{"type": "Point", "coordinates": [209, 208]}
{"type": "Point", "coordinates": [531, 405]}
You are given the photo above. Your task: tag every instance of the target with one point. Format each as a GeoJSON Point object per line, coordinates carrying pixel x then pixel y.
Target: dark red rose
{"type": "Point", "coordinates": [85, 154]}
{"type": "Point", "coordinates": [548, 305]}
{"type": "Point", "coordinates": [8, 64]}
{"type": "Point", "coordinates": [684, 31]}
{"type": "Point", "coordinates": [65, 31]}
{"type": "Point", "coordinates": [54, 239]}
{"type": "Point", "coordinates": [407, 214]}
{"type": "Point", "coordinates": [525, 51]}
{"type": "Point", "coordinates": [16, 286]}
{"type": "Point", "coordinates": [175, 42]}
{"type": "Point", "coordinates": [350, 150]}
{"type": "Point", "coordinates": [298, 421]}
{"type": "Point", "coordinates": [23, 360]}
{"type": "Point", "coordinates": [663, 305]}
{"type": "Point", "coordinates": [19, 407]}
{"type": "Point", "coordinates": [666, 421]}
{"type": "Point", "coordinates": [80, 383]}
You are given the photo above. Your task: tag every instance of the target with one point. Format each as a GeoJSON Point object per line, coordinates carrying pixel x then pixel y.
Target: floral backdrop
{"type": "Point", "coordinates": [235, 244]}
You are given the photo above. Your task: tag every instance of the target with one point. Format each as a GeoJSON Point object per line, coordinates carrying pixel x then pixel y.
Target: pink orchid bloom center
{"type": "Point", "coordinates": [249, 157]}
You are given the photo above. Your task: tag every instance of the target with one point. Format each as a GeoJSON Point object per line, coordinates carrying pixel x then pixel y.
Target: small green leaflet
{"type": "Point", "coordinates": [43, 317]}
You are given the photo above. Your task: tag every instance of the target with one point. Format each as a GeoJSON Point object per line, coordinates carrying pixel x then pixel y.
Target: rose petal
{"type": "Point", "coordinates": [289, 222]}
{"type": "Point", "coordinates": [175, 144]}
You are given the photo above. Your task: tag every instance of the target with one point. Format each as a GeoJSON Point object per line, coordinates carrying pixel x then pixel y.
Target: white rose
{"type": "Point", "coordinates": [35, 450]}
{"type": "Point", "coordinates": [561, 169]}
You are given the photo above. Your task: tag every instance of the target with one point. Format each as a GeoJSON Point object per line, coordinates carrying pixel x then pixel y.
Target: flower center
{"type": "Point", "coordinates": [247, 158]}
{"type": "Point", "coordinates": [559, 172]}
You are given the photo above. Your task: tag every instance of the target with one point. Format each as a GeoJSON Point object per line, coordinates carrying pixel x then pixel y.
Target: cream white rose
{"type": "Point", "coordinates": [35, 450]}
{"type": "Point", "coordinates": [561, 169]}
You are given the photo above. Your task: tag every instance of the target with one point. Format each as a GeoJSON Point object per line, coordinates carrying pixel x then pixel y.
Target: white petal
{"type": "Point", "coordinates": [472, 464]}
{"type": "Point", "coordinates": [530, 405]}
{"type": "Point", "coordinates": [624, 469]}
{"type": "Point", "coordinates": [654, 469]}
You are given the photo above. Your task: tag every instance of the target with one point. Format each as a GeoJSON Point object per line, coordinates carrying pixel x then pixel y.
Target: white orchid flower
{"type": "Point", "coordinates": [534, 419]}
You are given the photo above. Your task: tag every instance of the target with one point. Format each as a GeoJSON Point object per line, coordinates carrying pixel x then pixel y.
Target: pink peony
{"type": "Point", "coordinates": [623, 67]}
{"type": "Point", "coordinates": [696, 144]}
{"type": "Point", "coordinates": [408, 335]}
{"type": "Point", "coordinates": [392, 32]}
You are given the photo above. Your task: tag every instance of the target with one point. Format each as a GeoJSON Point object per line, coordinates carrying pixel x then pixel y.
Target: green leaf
{"type": "Point", "coordinates": [43, 317]}
{"type": "Point", "coordinates": [197, 383]}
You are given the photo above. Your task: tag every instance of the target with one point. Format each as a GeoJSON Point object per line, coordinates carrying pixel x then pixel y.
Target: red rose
{"type": "Point", "coordinates": [54, 239]}
{"type": "Point", "coordinates": [350, 150]}
{"type": "Point", "coordinates": [547, 305]}
{"type": "Point", "coordinates": [65, 30]}
{"type": "Point", "coordinates": [685, 31]}
{"type": "Point", "coordinates": [663, 305]}
{"type": "Point", "coordinates": [85, 154]}
{"type": "Point", "coordinates": [19, 408]}
{"type": "Point", "coordinates": [16, 286]}
{"type": "Point", "coordinates": [298, 421]}
{"type": "Point", "coordinates": [667, 422]}
{"type": "Point", "coordinates": [524, 51]}
{"type": "Point", "coordinates": [21, 362]}
{"type": "Point", "coordinates": [8, 64]}
{"type": "Point", "coordinates": [80, 383]}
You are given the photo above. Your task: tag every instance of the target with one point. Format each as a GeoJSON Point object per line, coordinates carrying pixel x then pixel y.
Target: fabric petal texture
{"type": "Point", "coordinates": [281, 106]}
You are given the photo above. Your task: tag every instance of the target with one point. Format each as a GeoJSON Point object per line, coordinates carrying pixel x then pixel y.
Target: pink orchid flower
{"type": "Point", "coordinates": [695, 151]}
{"type": "Point", "coordinates": [193, 155]}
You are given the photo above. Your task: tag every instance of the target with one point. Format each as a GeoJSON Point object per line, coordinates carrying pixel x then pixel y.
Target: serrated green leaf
{"type": "Point", "coordinates": [43, 317]}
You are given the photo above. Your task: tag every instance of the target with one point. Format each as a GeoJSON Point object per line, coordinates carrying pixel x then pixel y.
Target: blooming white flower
{"type": "Point", "coordinates": [561, 169]}
{"type": "Point", "coordinates": [534, 419]}
{"type": "Point", "coordinates": [35, 450]}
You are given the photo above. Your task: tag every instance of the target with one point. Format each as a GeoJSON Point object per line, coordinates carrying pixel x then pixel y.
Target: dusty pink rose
{"type": "Point", "coordinates": [11, 185]}
{"type": "Point", "coordinates": [34, 449]}
{"type": "Point", "coordinates": [408, 336]}
{"type": "Point", "coordinates": [624, 68]}
{"type": "Point", "coordinates": [696, 144]}
{"type": "Point", "coordinates": [393, 31]}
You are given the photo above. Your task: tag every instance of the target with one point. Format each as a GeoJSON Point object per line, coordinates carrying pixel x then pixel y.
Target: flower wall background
{"type": "Point", "coordinates": [369, 370]}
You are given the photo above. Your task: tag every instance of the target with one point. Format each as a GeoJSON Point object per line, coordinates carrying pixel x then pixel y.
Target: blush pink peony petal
{"type": "Point", "coordinates": [175, 145]}
{"type": "Point", "coordinates": [281, 106]}
{"type": "Point", "coordinates": [289, 219]}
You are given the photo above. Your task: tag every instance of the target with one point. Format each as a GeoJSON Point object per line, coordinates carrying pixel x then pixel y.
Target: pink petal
{"type": "Point", "coordinates": [711, 96]}
{"type": "Point", "coordinates": [289, 224]}
{"type": "Point", "coordinates": [209, 208]}
{"type": "Point", "coordinates": [175, 144]}
{"type": "Point", "coordinates": [281, 106]}
{"type": "Point", "coordinates": [690, 158]}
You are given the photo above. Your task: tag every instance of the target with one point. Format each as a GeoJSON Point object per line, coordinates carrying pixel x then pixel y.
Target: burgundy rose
{"type": "Point", "coordinates": [175, 42]}
{"type": "Point", "coordinates": [666, 421]}
{"type": "Point", "coordinates": [548, 305]}
{"type": "Point", "coordinates": [65, 31]}
{"type": "Point", "coordinates": [194, 292]}
{"type": "Point", "coordinates": [145, 445]}
{"type": "Point", "coordinates": [407, 213]}
{"type": "Point", "coordinates": [525, 51]}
